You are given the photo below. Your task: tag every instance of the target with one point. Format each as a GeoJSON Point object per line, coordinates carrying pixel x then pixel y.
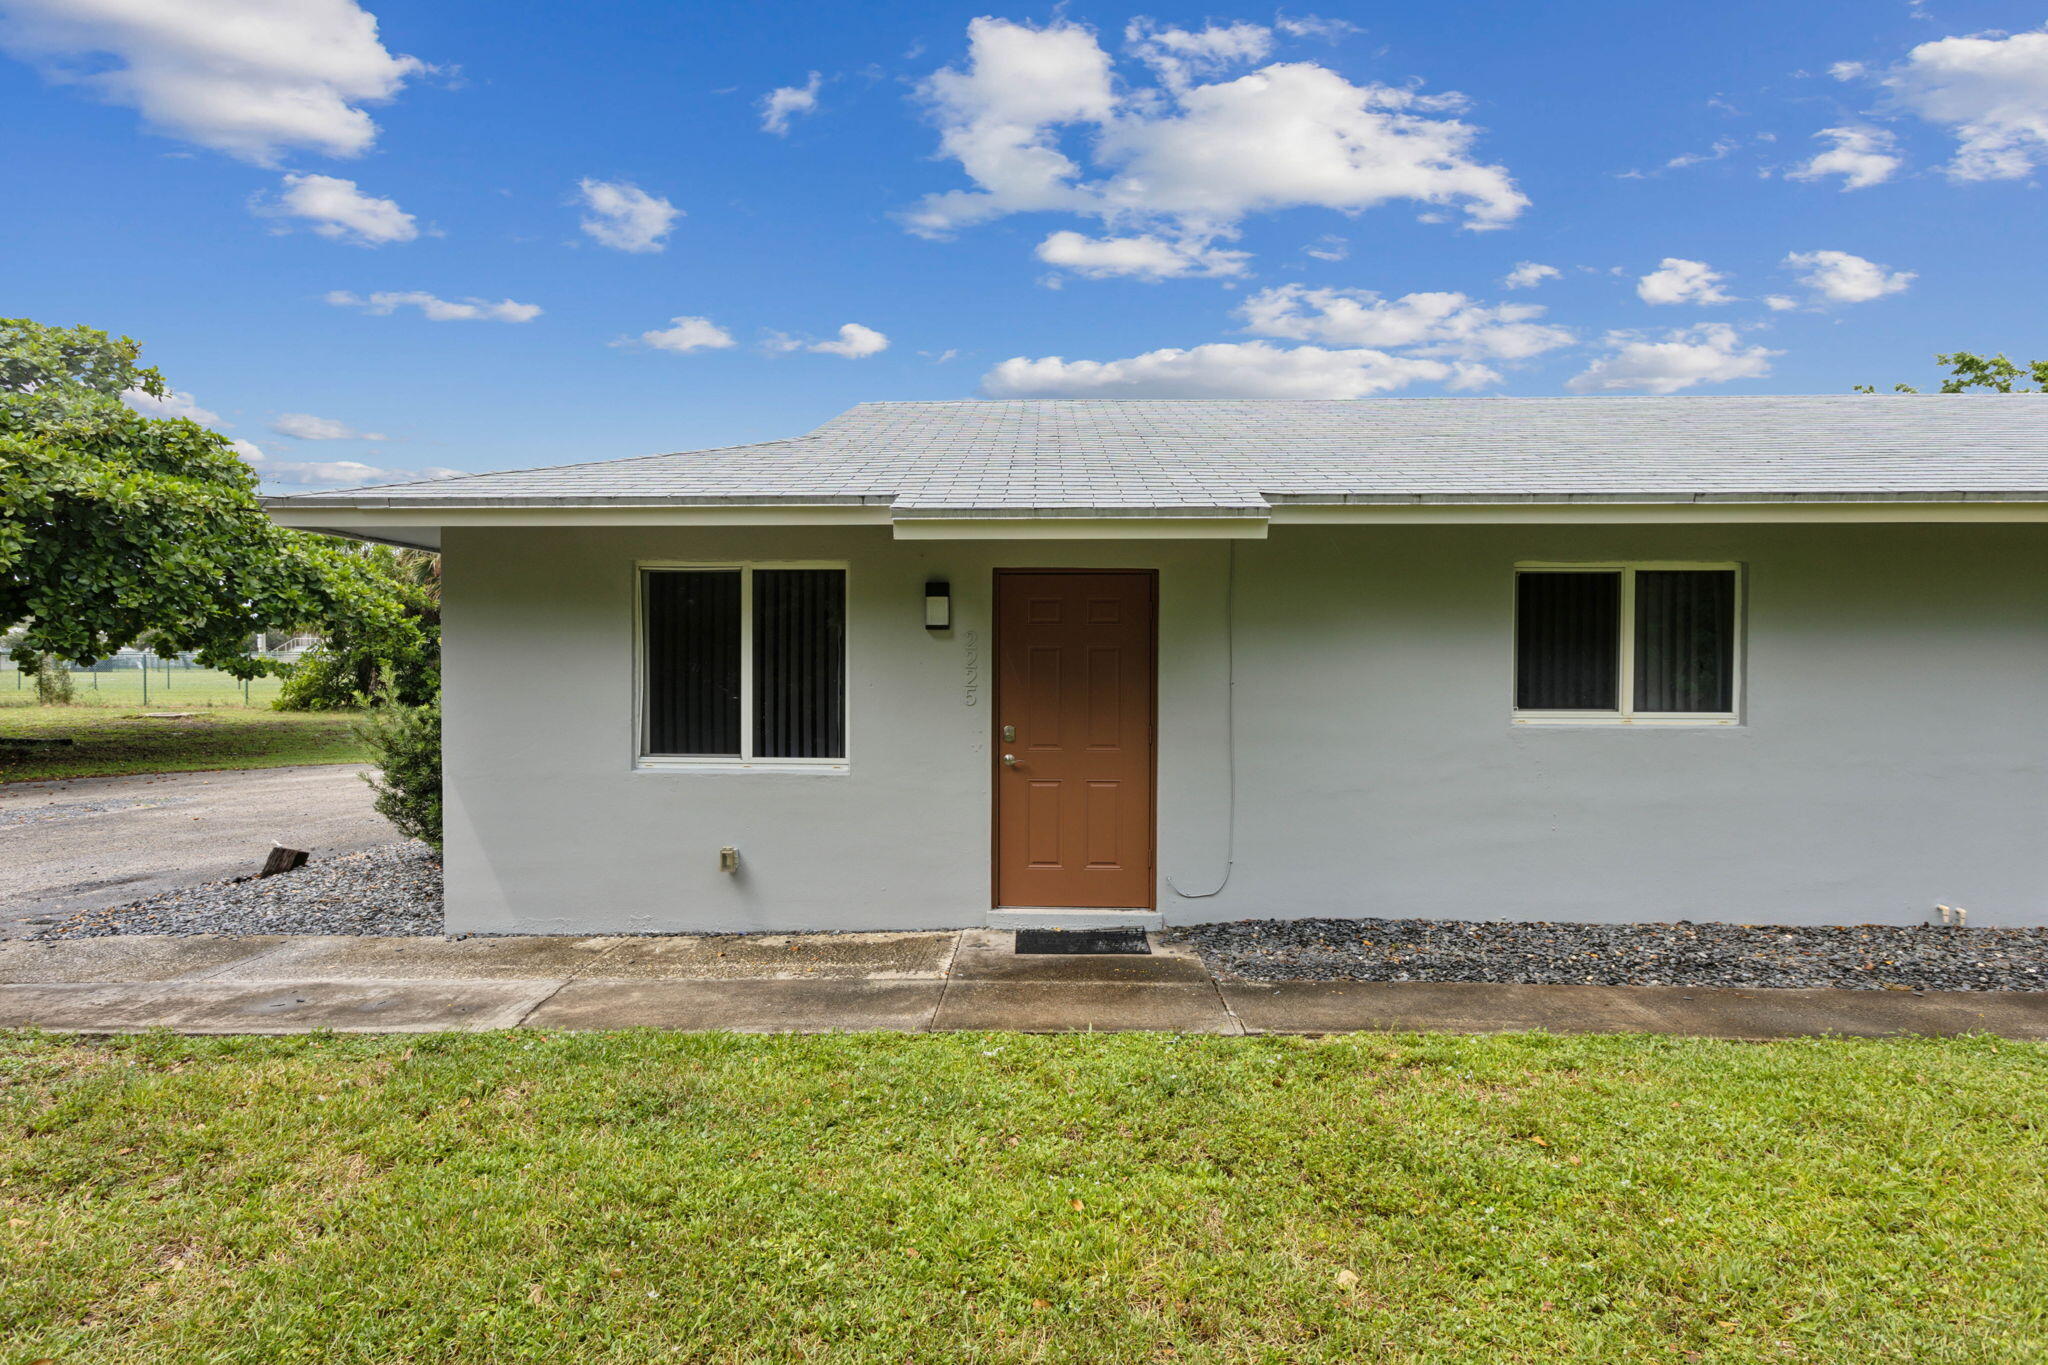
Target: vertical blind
{"type": "Point", "coordinates": [1567, 641]}
{"type": "Point", "coordinates": [693, 662]}
{"type": "Point", "coordinates": [700, 646]}
{"type": "Point", "coordinates": [1570, 639]}
{"type": "Point", "coordinates": [799, 663]}
{"type": "Point", "coordinates": [1685, 640]}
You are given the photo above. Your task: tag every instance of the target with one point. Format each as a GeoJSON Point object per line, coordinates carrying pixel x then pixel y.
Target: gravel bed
{"type": "Point", "coordinates": [1861, 956]}
{"type": "Point", "coordinates": [388, 892]}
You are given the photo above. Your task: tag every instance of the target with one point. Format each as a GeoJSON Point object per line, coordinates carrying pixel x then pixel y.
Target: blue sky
{"type": "Point", "coordinates": [403, 236]}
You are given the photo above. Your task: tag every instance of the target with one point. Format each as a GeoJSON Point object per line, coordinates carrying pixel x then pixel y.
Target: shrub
{"type": "Point", "coordinates": [53, 682]}
{"type": "Point", "coordinates": [406, 742]}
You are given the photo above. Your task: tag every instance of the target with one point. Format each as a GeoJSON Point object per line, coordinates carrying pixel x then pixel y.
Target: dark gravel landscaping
{"type": "Point", "coordinates": [1862, 956]}
{"type": "Point", "coordinates": [393, 891]}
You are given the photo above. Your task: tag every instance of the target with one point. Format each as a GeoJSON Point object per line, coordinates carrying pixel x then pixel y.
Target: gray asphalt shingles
{"type": "Point", "coordinates": [1238, 457]}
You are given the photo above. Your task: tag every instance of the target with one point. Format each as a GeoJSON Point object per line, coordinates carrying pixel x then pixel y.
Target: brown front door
{"type": "Point", "coordinates": [1073, 742]}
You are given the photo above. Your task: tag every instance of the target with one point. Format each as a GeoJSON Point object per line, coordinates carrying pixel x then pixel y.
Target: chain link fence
{"type": "Point", "coordinates": [131, 679]}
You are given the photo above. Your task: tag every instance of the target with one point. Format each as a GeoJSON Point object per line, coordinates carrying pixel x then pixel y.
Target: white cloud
{"type": "Point", "coordinates": [1989, 89]}
{"type": "Point", "coordinates": [1840, 277]}
{"type": "Point", "coordinates": [1862, 156]}
{"type": "Point", "coordinates": [1315, 26]}
{"type": "Point", "coordinates": [336, 208]}
{"type": "Point", "coordinates": [854, 342]}
{"type": "Point", "coordinates": [304, 426]}
{"type": "Point", "coordinates": [1328, 247]}
{"type": "Point", "coordinates": [1711, 353]}
{"type": "Point", "coordinates": [1722, 146]}
{"type": "Point", "coordinates": [1438, 324]}
{"type": "Point", "coordinates": [437, 309]}
{"type": "Point", "coordinates": [1528, 274]}
{"type": "Point", "coordinates": [624, 216]}
{"type": "Point", "coordinates": [1298, 135]}
{"type": "Point", "coordinates": [999, 119]}
{"type": "Point", "coordinates": [784, 103]}
{"type": "Point", "coordinates": [1678, 280]}
{"type": "Point", "coordinates": [1183, 157]}
{"type": "Point", "coordinates": [1145, 257]}
{"type": "Point", "coordinates": [685, 334]}
{"type": "Point", "coordinates": [1780, 303]}
{"type": "Point", "coordinates": [246, 77]}
{"type": "Point", "coordinates": [1179, 54]}
{"type": "Point", "coordinates": [174, 403]}
{"type": "Point", "coordinates": [1248, 369]}
{"type": "Point", "coordinates": [329, 473]}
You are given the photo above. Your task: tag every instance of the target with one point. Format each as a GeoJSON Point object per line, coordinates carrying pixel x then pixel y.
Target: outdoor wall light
{"type": "Point", "coordinates": [938, 605]}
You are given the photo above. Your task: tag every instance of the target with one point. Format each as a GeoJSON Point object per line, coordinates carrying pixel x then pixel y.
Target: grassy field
{"type": "Point", "coordinates": [181, 689]}
{"type": "Point", "coordinates": [112, 739]}
{"type": "Point", "coordinates": [1001, 1198]}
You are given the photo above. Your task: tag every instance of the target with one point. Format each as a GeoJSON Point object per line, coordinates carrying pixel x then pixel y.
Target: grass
{"type": "Point", "coordinates": [181, 689]}
{"type": "Point", "coordinates": [998, 1198]}
{"type": "Point", "coordinates": [110, 740]}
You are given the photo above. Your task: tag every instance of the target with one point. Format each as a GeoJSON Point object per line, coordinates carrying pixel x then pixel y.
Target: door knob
{"type": "Point", "coordinates": [1009, 760]}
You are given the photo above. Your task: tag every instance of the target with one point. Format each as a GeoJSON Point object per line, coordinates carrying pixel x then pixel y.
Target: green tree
{"type": "Point", "coordinates": [113, 524]}
{"type": "Point", "coordinates": [1968, 370]}
{"type": "Point", "coordinates": [381, 659]}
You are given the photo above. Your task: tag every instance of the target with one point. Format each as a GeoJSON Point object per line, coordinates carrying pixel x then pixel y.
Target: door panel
{"type": "Point", "coordinates": [1074, 677]}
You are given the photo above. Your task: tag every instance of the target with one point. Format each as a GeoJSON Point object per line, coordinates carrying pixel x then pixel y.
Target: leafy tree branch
{"type": "Point", "coordinates": [115, 526]}
{"type": "Point", "coordinates": [1969, 371]}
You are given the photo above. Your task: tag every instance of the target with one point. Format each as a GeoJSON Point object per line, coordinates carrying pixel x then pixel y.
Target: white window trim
{"type": "Point", "coordinates": [743, 762]}
{"type": "Point", "coordinates": [1625, 683]}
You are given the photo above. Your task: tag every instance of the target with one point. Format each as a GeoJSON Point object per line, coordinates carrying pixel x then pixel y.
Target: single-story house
{"type": "Point", "coordinates": [1756, 659]}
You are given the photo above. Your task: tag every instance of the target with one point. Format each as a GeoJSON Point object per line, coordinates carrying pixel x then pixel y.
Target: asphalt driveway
{"type": "Point", "coordinates": [89, 842]}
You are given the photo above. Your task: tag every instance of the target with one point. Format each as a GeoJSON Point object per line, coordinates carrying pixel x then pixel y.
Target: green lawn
{"type": "Point", "coordinates": [180, 689]}
{"type": "Point", "coordinates": [119, 739]}
{"type": "Point", "coordinates": [710, 1198]}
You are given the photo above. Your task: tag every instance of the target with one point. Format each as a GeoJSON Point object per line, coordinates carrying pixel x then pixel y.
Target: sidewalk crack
{"type": "Point", "coordinates": [1216, 985]}
{"type": "Point", "coordinates": [529, 1011]}
{"type": "Point", "coordinates": [945, 982]}
{"type": "Point", "coordinates": [210, 973]}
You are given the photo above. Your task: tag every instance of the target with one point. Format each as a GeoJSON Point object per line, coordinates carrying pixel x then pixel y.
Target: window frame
{"type": "Point", "coordinates": [744, 762]}
{"type": "Point", "coordinates": [1625, 688]}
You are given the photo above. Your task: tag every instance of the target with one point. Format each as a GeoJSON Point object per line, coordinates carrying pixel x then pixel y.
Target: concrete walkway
{"type": "Point", "coordinates": [922, 982]}
{"type": "Point", "coordinates": [85, 843]}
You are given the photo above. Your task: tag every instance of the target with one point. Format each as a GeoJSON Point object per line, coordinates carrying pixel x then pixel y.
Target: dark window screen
{"type": "Point", "coordinates": [1685, 640]}
{"type": "Point", "coordinates": [1567, 641]}
{"type": "Point", "coordinates": [693, 662]}
{"type": "Point", "coordinates": [799, 663]}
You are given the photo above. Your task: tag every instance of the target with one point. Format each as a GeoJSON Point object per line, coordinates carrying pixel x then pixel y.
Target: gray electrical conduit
{"type": "Point", "coordinates": [1229, 734]}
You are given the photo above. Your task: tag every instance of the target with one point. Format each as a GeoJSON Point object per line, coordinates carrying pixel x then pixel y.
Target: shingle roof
{"type": "Point", "coordinates": [1220, 457]}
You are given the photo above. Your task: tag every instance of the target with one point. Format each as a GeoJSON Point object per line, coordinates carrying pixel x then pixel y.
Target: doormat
{"type": "Point", "coordinates": [1033, 941]}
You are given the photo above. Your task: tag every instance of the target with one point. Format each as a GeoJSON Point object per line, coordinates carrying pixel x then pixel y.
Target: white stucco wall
{"type": "Point", "coordinates": [1893, 752]}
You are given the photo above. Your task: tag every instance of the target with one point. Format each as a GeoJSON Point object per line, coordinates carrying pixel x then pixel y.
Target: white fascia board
{"type": "Point", "coordinates": [1629, 513]}
{"type": "Point", "coordinates": [1081, 528]}
{"type": "Point", "coordinates": [314, 517]}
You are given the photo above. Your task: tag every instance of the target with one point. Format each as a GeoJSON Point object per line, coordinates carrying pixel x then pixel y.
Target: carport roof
{"type": "Point", "coordinates": [1240, 458]}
